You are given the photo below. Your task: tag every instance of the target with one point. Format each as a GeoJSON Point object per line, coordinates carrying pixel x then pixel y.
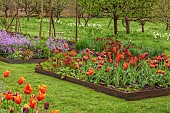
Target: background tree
{"type": "Point", "coordinates": [57, 7]}
{"type": "Point", "coordinates": [161, 12]}
{"type": "Point", "coordinates": [143, 13]}
{"type": "Point", "coordinates": [30, 7]}
{"type": "Point", "coordinates": [5, 6]}
{"type": "Point", "coordinates": [112, 9]}
{"type": "Point", "coordinates": [88, 9]}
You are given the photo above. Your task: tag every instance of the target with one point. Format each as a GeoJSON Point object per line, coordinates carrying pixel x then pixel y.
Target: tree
{"type": "Point", "coordinates": [161, 12]}
{"type": "Point", "coordinates": [112, 9]}
{"type": "Point", "coordinates": [88, 9]}
{"type": "Point", "coordinates": [30, 7]}
{"type": "Point", "coordinates": [5, 6]}
{"type": "Point", "coordinates": [57, 7]}
{"type": "Point", "coordinates": [143, 13]}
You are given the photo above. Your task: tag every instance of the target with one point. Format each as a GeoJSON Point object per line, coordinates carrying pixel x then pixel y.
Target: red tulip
{"type": "Point", "coordinates": [40, 96]}
{"type": "Point", "coordinates": [8, 96]}
{"type": "Point", "coordinates": [42, 88]}
{"type": "Point", "coordinates": [27, 89]}
{"type": "Point", "coordinates": [18, 98]}
{"type": "Point", "coordinates": [21, 80]}
{"type": "Point", "coordinates": [6, 73]}
{"type": "Point", "coordinates": [33, 103]}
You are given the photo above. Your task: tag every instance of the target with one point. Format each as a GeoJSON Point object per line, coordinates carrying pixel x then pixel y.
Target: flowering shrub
{"type": "Point", "coordinates": [115, 67]}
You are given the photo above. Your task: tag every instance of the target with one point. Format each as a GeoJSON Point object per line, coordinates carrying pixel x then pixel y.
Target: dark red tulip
{"type": "Point", "coordinates": [25, 110]}
{"type": "Point", "coordinates": [46, 105]}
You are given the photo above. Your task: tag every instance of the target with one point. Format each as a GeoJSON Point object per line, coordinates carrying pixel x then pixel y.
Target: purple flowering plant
{"type": "Point", "coordinates": [16, 45]}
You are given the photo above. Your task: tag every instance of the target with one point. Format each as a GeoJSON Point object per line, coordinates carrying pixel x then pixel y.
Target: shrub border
{"type": "Point", "coordinates": [20, 61]}
{"type": "Point", "coordinates": [110, 91]}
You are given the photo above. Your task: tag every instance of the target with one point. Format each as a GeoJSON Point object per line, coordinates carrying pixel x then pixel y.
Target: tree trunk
{"type": "Point", "coordinates": [6, 13]}
{"type": "Point", "coordinates": [28, 17]}
{"type": "Point", "coordinates": [115, 24]}
{"type": "Point", "coordinates": [58, 16]}
{"type": "Point", "coordinates": [79, 17]}
{"type": "Point", "coordinates": [167, 26]}
{"type": "Point", "coordinates": [42, 10]}
{"type": "Point", "coordinates": [110, 22]}
{"type": "Point", "coordinates": [127, 25]}
{"type": "Point", "coordinates": [143, 27]}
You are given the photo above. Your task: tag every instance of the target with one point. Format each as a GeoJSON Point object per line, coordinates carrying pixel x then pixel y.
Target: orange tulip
{"type": "Point", "coordinates": [42, 88]}
{"type": "Point", "coordinates": [27, 89]}
{"type": "Point", "coordinates": [65, 45]}
{"type": "Point", "coordinates": [125, 65]}
{"type": "Point", "coordinates": [18, 98]}
{"type": "Point", "coordinates": [21, 80]}
{"type": "Point", "coordinates": [73, 53]}
{"type": "Point", "coordinates": [6, 73]}
{"type": "Point", "coordinates": [8, 96]}
{"type": "Point", "coordinates": [76, 66]}
{"type": "Point", "coordinates": [161, 72]}
{"type": "Point", "coordinates": [94, 59]}
{"type": "Point", "coordinates": [108, 69]}
{"type": "Point", "coordinates": [33, 103]}
{"type": "Point", "coordinates": [40, 96]}
{"type": "Point", "coordinates": [55, 111]}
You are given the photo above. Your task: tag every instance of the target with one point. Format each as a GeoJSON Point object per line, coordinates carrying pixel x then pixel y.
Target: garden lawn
{"type": "Point", "coordinates": [71, 98]}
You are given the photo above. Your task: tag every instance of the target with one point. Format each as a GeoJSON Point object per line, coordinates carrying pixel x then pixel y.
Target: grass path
{"type": "Point", "coordinates": [71, 98]}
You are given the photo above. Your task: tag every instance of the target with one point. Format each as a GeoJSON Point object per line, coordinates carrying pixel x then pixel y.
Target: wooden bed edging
{"type": "Point", "coordinates": [109, 91]}
{"type": "Point", "coordinates": [20, 61]}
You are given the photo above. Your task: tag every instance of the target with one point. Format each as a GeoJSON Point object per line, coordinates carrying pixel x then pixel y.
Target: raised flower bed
{"type": "Point", "coordinates": [115, 71]}
{"type": "Point", "coordinates": [110, 91]}
{"type": "Point", "coordinates": [16, 48]}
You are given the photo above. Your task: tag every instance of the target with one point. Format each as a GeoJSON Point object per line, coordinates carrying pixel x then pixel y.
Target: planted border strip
{"type": "Point", "coordinates": [112, 92]}
{"type": "Point", "coordinates": [20, 61]}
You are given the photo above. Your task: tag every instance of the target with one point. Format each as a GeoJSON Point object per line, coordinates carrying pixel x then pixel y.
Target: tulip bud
{"type": "Point", "coordinates": [25, 110]}
{"type": "Point", "coordinates": [46, 105]}
{"type": "Point", "coordinates": [11, 110]}
{"type": "Point", "coordinates": [9, 91]}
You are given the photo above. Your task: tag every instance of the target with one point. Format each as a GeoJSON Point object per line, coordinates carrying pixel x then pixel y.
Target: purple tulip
{"type": "Point", "coordinates": [46, 105]}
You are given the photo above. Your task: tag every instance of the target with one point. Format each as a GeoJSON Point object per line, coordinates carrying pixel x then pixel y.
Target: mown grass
{"type": "Point", "coordinates": [71, 98]}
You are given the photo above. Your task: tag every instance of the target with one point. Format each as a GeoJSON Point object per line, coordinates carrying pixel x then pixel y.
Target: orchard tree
{"type": "Point", "coordinates": [5, 6]}
{"type": "Point", "coordinates": [143, 13]}
{"type": "Point", "coordinates": [88, 9]}
{"type": "Point", "coordinates": [112, 9]}
{"type": "Point", "coordinates": [57, 6]}
{"type": "Point", "coordinates": [30, 7]}
{"type": "Point", "coordinates": [161, 12]}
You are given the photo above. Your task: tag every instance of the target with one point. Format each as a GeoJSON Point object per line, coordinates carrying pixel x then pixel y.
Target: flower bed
{"type": "Point", "coordinates": [115, 68]}
{"type": "Point", "coordinates": [110, 91]}
{"type": "Point", "coordinates": [17, 48]}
